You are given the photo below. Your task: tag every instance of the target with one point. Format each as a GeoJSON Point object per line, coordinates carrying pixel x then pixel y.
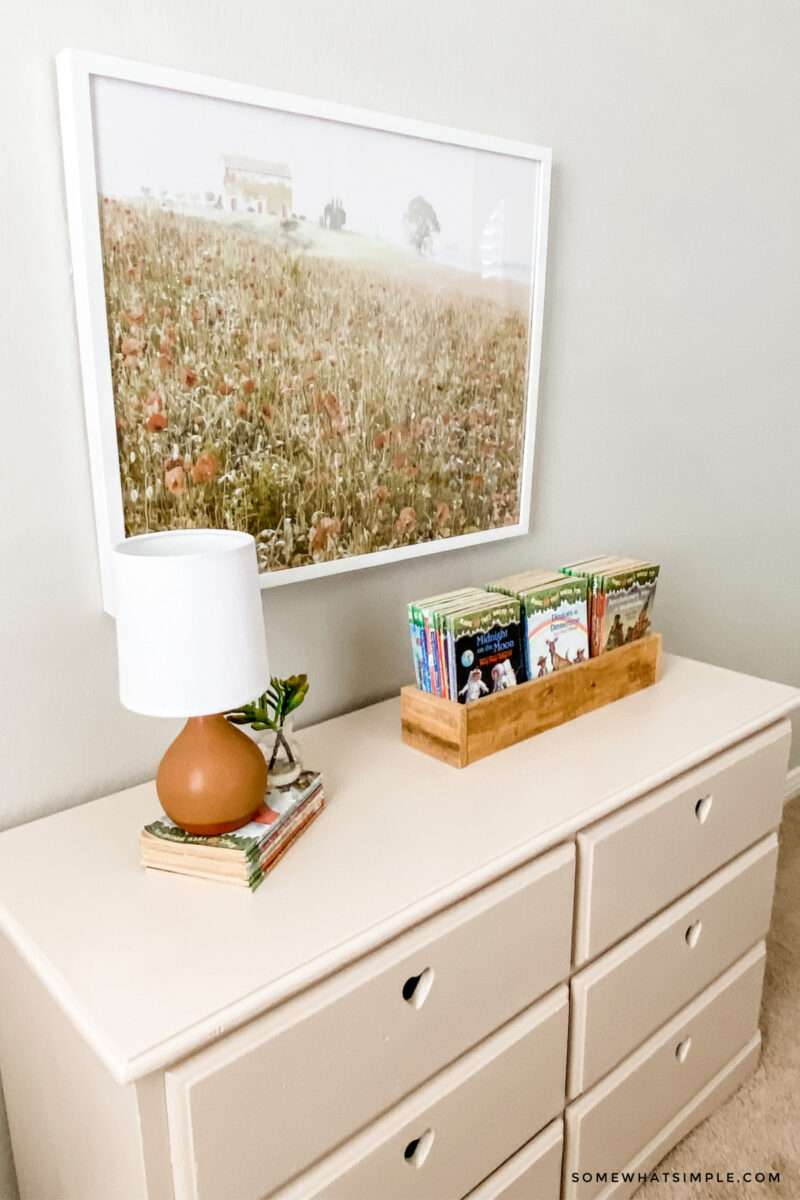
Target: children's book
{"type": "Point", "coordinates": [468, 599]}
{"type": "Point", "coordinates": [555, 625]}
{"type": "Point", "coordinates": [512, 585]}
{"type": "Point", "coordinates": [621, 597]}
{"type": "Point", "coordinates": [625, 606]}
{"type": "Point", "coordinates": [426, 638]}
{"type": "Point", "coordinates": [554, 618]}
{"type": "Point", "coordinates": [487, 651]}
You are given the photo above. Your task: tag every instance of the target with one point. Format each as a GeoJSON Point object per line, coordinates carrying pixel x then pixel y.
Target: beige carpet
{"type": "Point", "coordinates": [759, 1127]}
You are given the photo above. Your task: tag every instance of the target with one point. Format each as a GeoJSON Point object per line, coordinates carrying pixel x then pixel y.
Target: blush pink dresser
{"type": "Point", "coordinates": [484, 983]}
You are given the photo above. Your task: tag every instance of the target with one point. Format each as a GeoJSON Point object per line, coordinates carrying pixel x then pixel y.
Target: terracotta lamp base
{"type": "Point", "coordinates": [212, 778]}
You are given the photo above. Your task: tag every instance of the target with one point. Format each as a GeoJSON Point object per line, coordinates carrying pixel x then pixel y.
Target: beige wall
{"type": "Point", "coordinates": [671, 364]}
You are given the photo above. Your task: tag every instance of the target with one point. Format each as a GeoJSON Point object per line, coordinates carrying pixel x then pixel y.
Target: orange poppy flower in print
{"type": "Point", "coordinates": [175, 476]}
{"type": "Point", "coordinates": [248, 387]}
{"type": "Point", "coordinates": [131, 346]}
{"type": "Point", "coordinates": [240, 408]}
{"type": "Point", "coordinates": [188, 377]}
{"type": "Point", "coordinates": [328, 403]}
{"type": "Point", "coordinates": [205, 468]}
{"type": "Point", "coordinates": [224, 388]}
{"type": "Point", "coordinates": [327, 528]}
{"type": "Point", "coordinates": [136, 316]}
{"type": "Point", "coordinates": [156, 423]}
{"type": "Point", "coordinates": [406, 521]}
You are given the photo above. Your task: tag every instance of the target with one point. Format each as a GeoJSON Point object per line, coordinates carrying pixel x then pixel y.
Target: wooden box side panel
{"type": "Point", "coordinates": [540, 704]}
{"type": "Point", "coordinates": [460, 734]}
{"type": "Point", "coordinates": [436, 726]}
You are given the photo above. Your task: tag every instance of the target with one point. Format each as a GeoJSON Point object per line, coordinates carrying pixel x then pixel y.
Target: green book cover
{"type": "Point", "coordinates": [627, 600]}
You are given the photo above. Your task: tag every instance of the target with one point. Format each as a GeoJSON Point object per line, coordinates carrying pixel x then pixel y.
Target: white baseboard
{"type": "Point", "coordinates": [792, 785]}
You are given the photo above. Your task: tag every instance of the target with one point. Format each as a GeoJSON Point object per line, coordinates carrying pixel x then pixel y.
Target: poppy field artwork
{"type": "Point", "coordinates": [315, 330]}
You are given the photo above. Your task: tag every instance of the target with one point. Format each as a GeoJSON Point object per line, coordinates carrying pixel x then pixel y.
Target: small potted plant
{"type": "Point", "coordinates": [270, 719]}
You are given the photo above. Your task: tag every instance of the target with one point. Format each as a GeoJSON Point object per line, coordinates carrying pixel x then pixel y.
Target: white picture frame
{"type": "Point", "coordinates": [78, 73]}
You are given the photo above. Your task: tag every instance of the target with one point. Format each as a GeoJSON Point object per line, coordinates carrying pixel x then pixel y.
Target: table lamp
{"type": "Point", "coordinates": [190, 638]}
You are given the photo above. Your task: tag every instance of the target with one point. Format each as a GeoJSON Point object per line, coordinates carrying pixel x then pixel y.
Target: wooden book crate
{"type": "Point", "coordinates": [460, 734]}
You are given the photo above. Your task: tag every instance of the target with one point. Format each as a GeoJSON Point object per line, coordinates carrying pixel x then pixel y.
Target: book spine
{"type": "Point", "coordinates": [598, 603]}
{"type": "Point", "coordinates": [451, 659]}
{"type": "Point", "coordinates": [273, 862]}
{"type": "Point", "coordinates": [417, 645]}
{"type": "Point", "coordinates": [434, 644]}
{"type": "Point", "coordinates": [445, 656]}
{"type": "Point", "coordinates": [429, 650]}
{"type": "Point", "coordinates": [423, 649]}
{"type": "Point", "coordinates": [601, 617]}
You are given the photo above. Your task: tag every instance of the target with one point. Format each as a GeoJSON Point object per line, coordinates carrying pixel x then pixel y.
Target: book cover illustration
{"type": "Point", "coordinates": [487, 649]}
{"type": "Point", "coordinates": [628, 600]}
{"type": "Point", "coordinates": [279, 804]}
{"type": "Point", "coordinates": [556, 627]}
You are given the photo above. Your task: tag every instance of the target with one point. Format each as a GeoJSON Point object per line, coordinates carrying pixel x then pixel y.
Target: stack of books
{"type": "Point", "coordinates": [554, 618]}
{"type": "Point", "coordinates": [479, 640]}
{"type": "Point", "coordinates": [621, 599]}
{"type": "Point", "coordinates": [467, 643]}
{"type": "Point", "coordinates": [247, 855]}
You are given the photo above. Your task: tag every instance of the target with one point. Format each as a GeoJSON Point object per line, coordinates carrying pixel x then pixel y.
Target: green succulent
{"type": "Point", "coordinates": [272, 708]}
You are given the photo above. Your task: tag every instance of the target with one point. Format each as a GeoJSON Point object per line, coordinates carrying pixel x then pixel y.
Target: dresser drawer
{"type": "Point", "coordinates": [612, 1124]}
{"type": "Point", "coordinates": [633, 989]}
{"type": "Point", "coordinates": [441, 1141]}
{"type": "Point", "coordinates": [636, 862]}
{"type": "Point", "coordinates": [534, 1172]}
{"type": "Point", "coordinates": [324, 1064]}
{"type": "Point", "coordinates": [715, 1093]}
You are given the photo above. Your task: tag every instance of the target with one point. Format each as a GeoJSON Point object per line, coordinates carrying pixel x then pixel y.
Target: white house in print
{"type": "Point", "coordinates": [257, 185]}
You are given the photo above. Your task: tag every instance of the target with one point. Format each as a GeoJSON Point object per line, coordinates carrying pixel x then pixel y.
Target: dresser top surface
{"type": "Point", "coordinates": [150, 966]}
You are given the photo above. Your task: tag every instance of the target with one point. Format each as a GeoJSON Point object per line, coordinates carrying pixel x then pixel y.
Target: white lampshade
{"type": "Point", "coordinates": [190, 628]}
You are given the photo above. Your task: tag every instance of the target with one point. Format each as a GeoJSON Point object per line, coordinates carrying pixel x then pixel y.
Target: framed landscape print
{"type": "Point", "coordinates": [313, 323]}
